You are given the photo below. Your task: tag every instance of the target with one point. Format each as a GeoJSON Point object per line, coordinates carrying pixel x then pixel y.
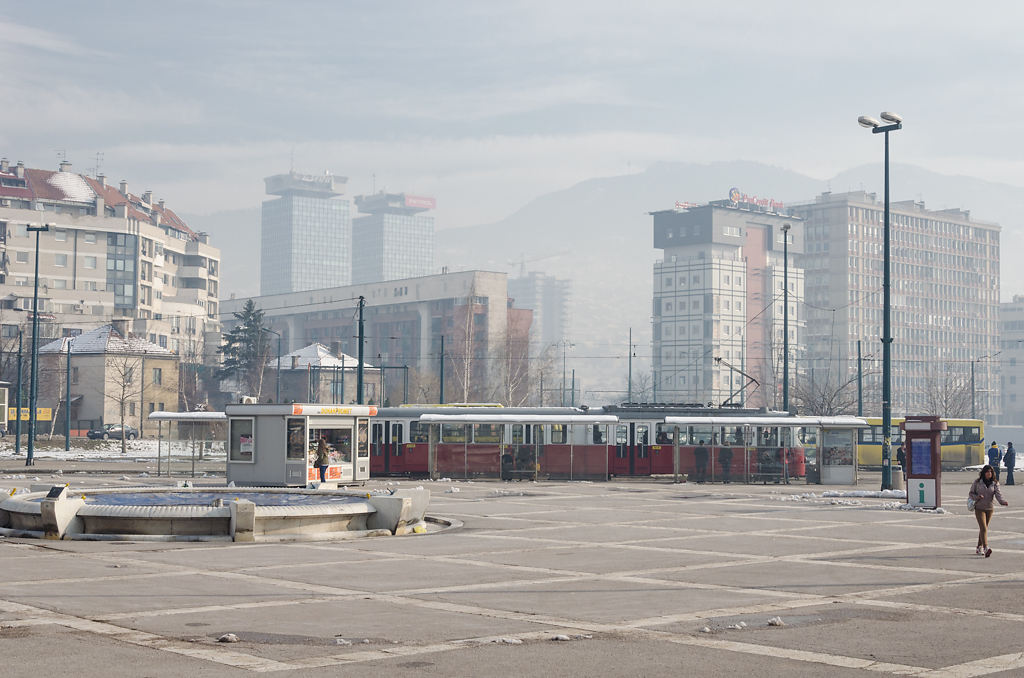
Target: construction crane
{"type": "Point", "coordinates": [523, 261]}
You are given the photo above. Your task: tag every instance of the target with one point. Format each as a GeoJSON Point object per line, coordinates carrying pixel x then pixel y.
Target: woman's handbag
{"type": "Point", "coordinates": [970, 503]}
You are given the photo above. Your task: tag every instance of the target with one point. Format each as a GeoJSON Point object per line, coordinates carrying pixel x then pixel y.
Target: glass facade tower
{"type": "Point", "coordinates": [393, 240]}
{"type": "Point", "coordinates": [306, 235]}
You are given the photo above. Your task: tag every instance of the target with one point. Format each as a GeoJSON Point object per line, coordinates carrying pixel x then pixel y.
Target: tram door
{"type": "Point", "coordinates": [380, 459]}
{"type": "Point", "coordinates": [632, 449]}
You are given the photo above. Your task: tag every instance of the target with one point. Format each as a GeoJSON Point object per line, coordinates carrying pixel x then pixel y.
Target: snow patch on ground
{"type": "Point", "coordinates": [879, 494]}
{"type": "Point", "coordinates": [901, 506]}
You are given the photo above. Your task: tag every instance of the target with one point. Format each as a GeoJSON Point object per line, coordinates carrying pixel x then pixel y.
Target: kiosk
{"type": "Point", "coordinates": [275, 445]}
{"type": "Point", "coordinates": [923, 448]}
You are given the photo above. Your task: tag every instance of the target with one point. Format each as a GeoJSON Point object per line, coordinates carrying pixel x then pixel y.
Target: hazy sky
{"type": "Point", "coordinates": [485, 105]}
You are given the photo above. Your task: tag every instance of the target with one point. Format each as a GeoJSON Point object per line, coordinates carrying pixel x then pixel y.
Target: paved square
{"type": "Point", "coordinates": [642, 578]}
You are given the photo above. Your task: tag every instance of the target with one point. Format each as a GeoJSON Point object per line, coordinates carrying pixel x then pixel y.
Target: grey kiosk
{"type": "Point", "coordinates": [275, 445]}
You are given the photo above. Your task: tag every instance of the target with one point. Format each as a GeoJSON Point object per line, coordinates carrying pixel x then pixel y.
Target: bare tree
{"type": "Point", "coordinates": [469, 369]}
{"type": "Point", "coordinates": [510, 368]}
{"type": "Point", "coordinates": [122, 375]}
{"type": "Point", "coordinates": [52, 380]}
{"type": "Point", "coordinates": [946, 392]}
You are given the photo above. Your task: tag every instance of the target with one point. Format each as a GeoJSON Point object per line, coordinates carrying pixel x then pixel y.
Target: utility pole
{"type": "Point", "coordinates": [67, 403]}
{"type": "Point", "coordinates": [441, 358]}
{"type": "Point", "coordinates": [17, 417]}
{"type": "Point", "coordinates": [359, 366]}
{"type": "Point", "coordinates": [860, 383]}
{"type": "Point", "coordinates": [629, 385]}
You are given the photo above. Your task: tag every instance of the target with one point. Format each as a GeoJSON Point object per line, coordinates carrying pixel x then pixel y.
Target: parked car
{"type": "Point", "coordinates": [113, 431]}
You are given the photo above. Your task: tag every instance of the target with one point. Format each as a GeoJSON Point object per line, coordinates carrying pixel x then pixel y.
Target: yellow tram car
{"type": "Point", "coordinates": [963, 442]}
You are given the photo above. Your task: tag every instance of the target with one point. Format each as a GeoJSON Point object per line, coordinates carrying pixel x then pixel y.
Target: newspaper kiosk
{"type": "Point", "coordinates": [923, 447]}
{"type": "Point", "coordinates": [275, 445]}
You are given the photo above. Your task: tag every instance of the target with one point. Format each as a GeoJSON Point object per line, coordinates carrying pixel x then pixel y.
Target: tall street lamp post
{"type": "Point", "coordinates": [565, 343]}
{"type": "Point", "coordinates": [895, 122]}
{"type": "Point", "coordinates": [785, 317]}
{"type": "Point", "coordinates": [34, 385]}
{"type": "Point", "coordinates": [974, 412]}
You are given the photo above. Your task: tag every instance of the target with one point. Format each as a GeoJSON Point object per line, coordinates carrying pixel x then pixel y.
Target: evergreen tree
{"type": "Point", "coordinates": [246, 351]}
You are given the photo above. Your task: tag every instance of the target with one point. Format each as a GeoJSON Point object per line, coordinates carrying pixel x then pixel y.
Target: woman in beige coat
{"type": "Point", "coordinates": [984, 492]}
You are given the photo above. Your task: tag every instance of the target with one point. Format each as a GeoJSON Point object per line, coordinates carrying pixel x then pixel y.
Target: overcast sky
{"type": "Point", "coordinates": [485, 105]}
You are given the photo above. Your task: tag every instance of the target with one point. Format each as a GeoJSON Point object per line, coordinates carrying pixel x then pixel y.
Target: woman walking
{"type": "Point", "coordinates": [984, 491]}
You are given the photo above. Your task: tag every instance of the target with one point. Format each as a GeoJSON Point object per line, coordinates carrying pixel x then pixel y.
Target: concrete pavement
{"type": "Point", "coordinates": [629, 572]}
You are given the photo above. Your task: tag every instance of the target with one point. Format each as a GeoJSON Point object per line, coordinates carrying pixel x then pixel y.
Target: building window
{"type": "Point", "coordinates": [158, 375]}
{"type": "Point", "coordinates": [152, 407]}
{"type": "Point", "coordinates": [89, 237]}
{"type": "Point", "coordinates": [21, 257]}
{"type": "Point", "coordinates": [74, 375]}
{"type": "Point", "coordinates": [89, 262]}
{"type": "Point", "coordinates": [131, 409]}
{"type": "Point", "coordinates": [61, 260]}
{"type": "Point", "coordinates": [60, 235]}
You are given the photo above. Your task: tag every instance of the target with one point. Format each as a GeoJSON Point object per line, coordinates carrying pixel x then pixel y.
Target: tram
{"type": "Point", "coordinates": [706, 444]}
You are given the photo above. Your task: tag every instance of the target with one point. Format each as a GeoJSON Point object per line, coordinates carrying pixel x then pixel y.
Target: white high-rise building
{"type": "Point", "coordinates": [718, 302]}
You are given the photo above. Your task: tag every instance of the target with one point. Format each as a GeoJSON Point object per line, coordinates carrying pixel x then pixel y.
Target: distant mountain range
{"type": "Point", "coordinates": [598, 234]}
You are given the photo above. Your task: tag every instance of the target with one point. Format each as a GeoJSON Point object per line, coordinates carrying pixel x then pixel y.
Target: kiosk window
{"type": "Point", "coordinates": [296, 439]}
{"type": "Point", "coordinates": [339, 444]}
{"type": "Point", "coordinates": [242, 440]}
{"type": "Point", "coordinates": [364, 444]}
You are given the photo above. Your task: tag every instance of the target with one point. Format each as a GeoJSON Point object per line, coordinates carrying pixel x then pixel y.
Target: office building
{"type": "Point", "coordinates": [944, 301]}
{"type": "Point", "coordinates": [392, 239]}
{"type": "Point", "coordinates": [405, 322]}
{"type": "Point", "coordinates": [718, 302]}
{"type": "Point", "coordinates": [548, 298]}
{"type": "Point", "coordinates": [306, 234]}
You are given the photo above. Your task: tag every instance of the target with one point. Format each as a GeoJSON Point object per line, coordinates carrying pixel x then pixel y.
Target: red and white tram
{"type": "Point", "coordinates": [599, 443]}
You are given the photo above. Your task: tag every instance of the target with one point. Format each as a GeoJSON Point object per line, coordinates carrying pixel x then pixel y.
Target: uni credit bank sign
{"type": "Point", "coordinates": [353, 410]}
{"type": "Point", "coordinates": [738, 196]}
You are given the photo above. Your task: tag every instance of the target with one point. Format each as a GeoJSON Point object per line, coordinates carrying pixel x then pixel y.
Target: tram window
{"type": "Point", "coordinates": [486, 433]}
{"type": "Point", "coordinates": [621, 435]}
{"type": "Point", "coordinates": [767, 436]}
{"type": "Point", "coordinates": [296, 439]}
{"type": "Point", "coordinates": [377, 438]}
{"type": "Point", "coordinates": [699, 433]}
{"type": "Point", "coordinates": [786, 436]}
{"type": "Point", "coordinates": [734, 436]}
{"type": "Point", "coordinates": [642, 435]}
{"type": "Point", "coordinates": [558, 434]}
{"type": "Point", "coordinates": [419, 432]}
{"type": "Point", "coordinates": [665, 434]}
{"type": "Point", "coordinates": [453, 433]}
{"type": "Point", "coordinates": [598, 433]}
{"type": "Point", "coordinates": [396, 433]}
{"type": "Point", "coordinates": [517, 434]}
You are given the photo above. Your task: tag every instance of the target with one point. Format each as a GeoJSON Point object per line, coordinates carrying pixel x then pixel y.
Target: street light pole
{"type": "Point", "coordinates": [34, 384]}
{"type": "Point", "coordinates": [785, 317]}
{"type": "Point", "coordinates": [895, 122]}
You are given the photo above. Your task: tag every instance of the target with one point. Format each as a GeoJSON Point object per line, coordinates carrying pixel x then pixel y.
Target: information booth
{"type": "Point", "coordinates": [923, 447]}
{"type": "Point", "coordinates": [276, 445]}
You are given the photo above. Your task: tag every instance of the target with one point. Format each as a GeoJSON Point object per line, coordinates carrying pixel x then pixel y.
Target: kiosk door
{"type": "Point", "coordinates": [295, 457]}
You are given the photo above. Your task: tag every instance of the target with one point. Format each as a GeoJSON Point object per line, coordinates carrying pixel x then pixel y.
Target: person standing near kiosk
{"type": "Point", "coordinates": [323, 458]}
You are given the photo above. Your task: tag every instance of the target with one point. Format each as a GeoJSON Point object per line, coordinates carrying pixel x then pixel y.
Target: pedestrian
{"type": "Point", "coordinates": [700, 459]}
{"type": "Point", "coordinates": [994, 455]}
{"type": "Point", "coordinates": [1009, 461]}
{"type": "Point", "coordinates": [984, 489]}
{"type": "Point", "coordinates": [323, 457]}
{"type": "Point", "coordinates": [725, 459]}
{"type": "Point", "coordinates": [901, 457]}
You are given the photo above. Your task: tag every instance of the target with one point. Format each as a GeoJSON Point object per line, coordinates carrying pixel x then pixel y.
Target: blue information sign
{"type": "Point", "coordinates": [921, 457]}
